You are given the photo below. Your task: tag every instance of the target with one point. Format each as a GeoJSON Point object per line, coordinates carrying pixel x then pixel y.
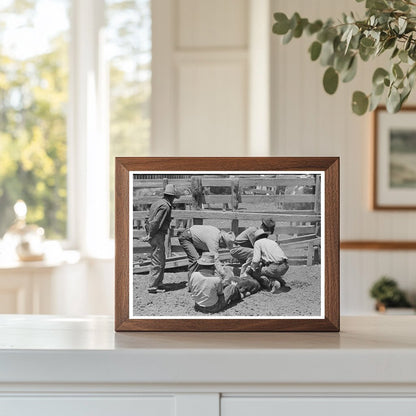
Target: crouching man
{"type": "Point", "coordinates": [204, 238]}
{"type": "Point", "coordinates": [269, 263]}
{"type": "Point", "coordinates": [207, 288]}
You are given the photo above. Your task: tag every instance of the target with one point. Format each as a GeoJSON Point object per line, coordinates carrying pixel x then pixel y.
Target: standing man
{"type": "Point", "coordinates": [158, 225]}
{"type": "Point", "coordinates": [207, 288]}
{"type": "Point", "coordinates": [244, 242]}
{"type": "Point", "coordinates": [269, 262]}
{"type": "Point", "coordinates": [201, 238]}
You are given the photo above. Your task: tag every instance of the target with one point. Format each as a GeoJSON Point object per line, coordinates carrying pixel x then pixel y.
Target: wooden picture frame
{"type": "Point", "coordinates": [394, 146]}
{"type": "Point", "coordinates": [323, 170]}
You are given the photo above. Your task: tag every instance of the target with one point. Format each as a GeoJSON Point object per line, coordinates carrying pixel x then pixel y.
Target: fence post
{"type": "Point", "coordinates": [318, 194]}
{"type": "Point", "coordinates": [168, 242]}
{"type": "Point", "coordinates": [197, 197]}
{"type": "Point", "coordinates": [235, 193]}
{"type": "Point", "coordinates": [235, 199]}
{"type": "Point", "coordinates": [309, 258]}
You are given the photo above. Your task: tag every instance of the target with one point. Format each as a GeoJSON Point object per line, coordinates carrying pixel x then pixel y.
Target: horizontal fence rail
{"type": "Point", "coordinates": [296, 229]}
{"type": "Point", "coordinates": [234, 215]}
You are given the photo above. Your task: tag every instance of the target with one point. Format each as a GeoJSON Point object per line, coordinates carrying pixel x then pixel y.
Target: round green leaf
{"type": "Point", "coordinates": [359, 103]}
{"type": "Point", "coordinates": [298, 30]}
{"type": "Point", "coordinates": [374, 102]}
{"type": "Point", "coordinates": [376, 4]}
{"type": "Point", "coordinates": [327, 53]}
{"type": "Point", "coordinates": [294, 20]}
{"type": "Point", "coordinates": [314, 27]}
{"type": "Point", "coordinates": [403, 56]}
{"type": "Point", "coordinates": [367, 42]}
{"type": "Point", "coordinates": [397, 71]}
{"type": "Point", "coordinates": [408, 42]}
{"type": "Point", "coordinates": [365, 53]}
{"type": "Point", "coordinates": [281, 27]}
{"type": "Point", "coordinates": [322, 36]}
{"type": "Point", "coordinates": [342, 61]}
{"type": "Point", "coordinates": [330, 80]}
{"type": "Point", "coordinates": [288, 37]}
{"type": "Point", "coordinates": [389, 43]}
{"type": "Point", "coordinates": [393, 101]}
{"type": "Point", "coordinates": [351, 71]}
{"type": "Point", "coordinates": [395, 52]}
{"type": "Point", "coordinates": [378, 89]}
{"type": "Point", "coordinates": [379, 75]}
{"type": "Point", "coordinates": [315, 50]}
{"type": "Point", "coordinates": [403, 97]}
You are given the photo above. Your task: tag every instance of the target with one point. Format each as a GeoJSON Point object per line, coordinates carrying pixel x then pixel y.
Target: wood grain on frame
{"type": "Point", "coordinates": [376, 205]}
{"type": "Point", "coordinates": [330, 165]}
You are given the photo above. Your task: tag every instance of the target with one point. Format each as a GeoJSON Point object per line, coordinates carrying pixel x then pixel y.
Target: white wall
{"type": "Point", "coordinates": [211, 92]}
{"type": "Point", "coordinates": [308, 122]}
{"type": "Point", "coordinates": [200, 78]}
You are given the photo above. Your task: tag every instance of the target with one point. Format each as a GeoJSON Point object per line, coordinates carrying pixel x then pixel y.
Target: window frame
{"type": "Point", "coordinates": [87, 133]}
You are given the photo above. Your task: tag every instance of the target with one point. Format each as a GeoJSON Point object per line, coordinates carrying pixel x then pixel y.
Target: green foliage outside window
{"type": "Point", "coordinates": [129, 44]}
{"type": "Point", "coordinates": [33, 99]}
{"type": "Point", "coordinates": [34, 103]}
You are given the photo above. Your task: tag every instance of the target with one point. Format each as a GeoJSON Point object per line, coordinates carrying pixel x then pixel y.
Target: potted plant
{"type": "Point", "coordinates": [387, 294]}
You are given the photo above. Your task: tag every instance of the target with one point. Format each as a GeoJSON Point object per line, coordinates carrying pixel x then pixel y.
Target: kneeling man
{"type": "Point", "coordinates": [269, 262]}
{"type": "Point", "coordinates": [207, 288]}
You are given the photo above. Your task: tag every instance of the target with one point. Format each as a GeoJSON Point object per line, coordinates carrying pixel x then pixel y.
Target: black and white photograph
{"type": "Point", "coordinates": [226, 244]}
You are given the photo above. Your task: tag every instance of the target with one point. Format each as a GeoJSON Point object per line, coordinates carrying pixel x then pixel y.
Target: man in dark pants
{"type": "Point", "coordinates": [204, 238]}
{"type": "Point", "coordinates": [244, 243]}
{"type": "Point", "coordinates": [159, 222]}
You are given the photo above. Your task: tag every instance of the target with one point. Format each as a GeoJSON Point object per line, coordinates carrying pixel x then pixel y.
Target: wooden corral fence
{"type": "Point", "coordinates": [296, 229]}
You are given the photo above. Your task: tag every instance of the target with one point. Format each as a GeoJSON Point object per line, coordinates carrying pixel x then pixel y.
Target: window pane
{"type": "Point", "coordinates": [129, 45]}
{"type": "Point", "coordinates": [34, 36]}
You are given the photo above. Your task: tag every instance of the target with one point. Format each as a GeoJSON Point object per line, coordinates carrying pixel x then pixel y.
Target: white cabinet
{"type": "Point", "coordinates": [271, 406]}
{"type": "Point", "coordinates": [87, 406]}
{"type": "Point", "coordinates": [52, 365]}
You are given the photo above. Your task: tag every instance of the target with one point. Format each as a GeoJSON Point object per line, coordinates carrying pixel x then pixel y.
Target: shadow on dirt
{"type": "Point", "coordinates": [172, 287]}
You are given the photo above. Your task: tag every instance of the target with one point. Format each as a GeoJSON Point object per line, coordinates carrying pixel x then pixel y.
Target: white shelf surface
{"type": "Point", "coordinates": [53, 349]}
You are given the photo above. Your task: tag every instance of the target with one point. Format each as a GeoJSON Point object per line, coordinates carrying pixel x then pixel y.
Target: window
{"type": "Point", "coordinates": [33, 101]}
{"type": "Point", "coordinates": [129, 43]}
{"type": "Point", "coordinates": [75, 87]}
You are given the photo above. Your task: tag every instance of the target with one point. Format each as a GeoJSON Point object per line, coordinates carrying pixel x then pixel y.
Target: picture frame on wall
{"type": "Point", "coordinates": [394, 152]}
{"type": "Point", "coordinates": [227, 244]}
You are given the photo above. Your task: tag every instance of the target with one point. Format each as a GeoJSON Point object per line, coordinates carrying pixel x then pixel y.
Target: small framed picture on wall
{"type": "Point", "coordinates": [394, 177]}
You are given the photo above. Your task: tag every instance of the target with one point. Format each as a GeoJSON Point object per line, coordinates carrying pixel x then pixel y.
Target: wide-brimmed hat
{"type": "Point", "coordinates": [207, 259]}
{"type": "Point", "coordinates": [268, 222]}
{"type": "Point", "coordinates": [259, 233]}
{"type": "Point", "coordinates": [228, 238]}
{"type": "Point", "coordinates": [170, 190]}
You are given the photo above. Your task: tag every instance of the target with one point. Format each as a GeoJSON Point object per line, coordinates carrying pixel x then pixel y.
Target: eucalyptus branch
{"type": "Point", "coordinates": [389, 25]}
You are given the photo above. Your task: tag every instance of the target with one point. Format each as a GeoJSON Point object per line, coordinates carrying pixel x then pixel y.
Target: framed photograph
{"type": "Point", "coordinates": [394, 179]}
{"type": "Point", "coordinates": [227, 244]}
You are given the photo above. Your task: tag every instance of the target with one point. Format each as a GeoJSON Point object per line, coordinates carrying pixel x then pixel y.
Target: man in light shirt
{"type": "Point", "coordinates": [207, 288]}
{"type": "Point", "coordinates": [204, 238]}
{"type": "Point", "coordinates": [244, 243]}
{"type": "Point", "coordinates": [269, 262]}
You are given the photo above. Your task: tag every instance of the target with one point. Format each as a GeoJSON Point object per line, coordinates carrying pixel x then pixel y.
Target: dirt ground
{"type": "Point", "coordinates": [304, 298]}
